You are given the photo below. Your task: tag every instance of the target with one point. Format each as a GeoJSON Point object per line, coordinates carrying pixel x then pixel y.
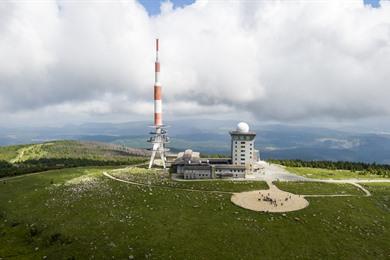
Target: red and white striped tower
{"type": "Point", "coordinates": [157, 91]}
{"type": "Point", "coordinates": [159, 136]}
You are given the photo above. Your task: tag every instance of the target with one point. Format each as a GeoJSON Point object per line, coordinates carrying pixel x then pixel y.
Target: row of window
{"type": "Point", "coordinates": [241, 163]}
{"type": "Point", "coordinates": [243, 144]}
{"type": "Point", "coordinates": [230, 171]}
{"type": "Point", "coordinates": [192, 171]}
{"type": "Point", "coordinates": [199, 175]}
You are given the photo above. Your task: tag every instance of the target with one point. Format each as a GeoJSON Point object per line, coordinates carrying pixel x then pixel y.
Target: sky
{"type": "Point", "coordinates": [153, 6]}
{"type": "Point", "coordinates": [307, 62]}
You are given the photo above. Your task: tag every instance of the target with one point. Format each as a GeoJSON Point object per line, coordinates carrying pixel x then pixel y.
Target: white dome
{"type": "Point", "coordinates": [243, 127]}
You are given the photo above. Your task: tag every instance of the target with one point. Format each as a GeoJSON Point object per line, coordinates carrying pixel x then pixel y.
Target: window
{"type": "Point", "coordinates": [242, 142]}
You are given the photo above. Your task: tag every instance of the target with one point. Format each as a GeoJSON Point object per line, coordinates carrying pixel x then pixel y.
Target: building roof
{"type": "Point", "coordinates": [242, 133]}
{"type": "Point", "coordinates": [217, 160]}
{"type": "Point", "coordinates": [188, 157]}
{"type": "Point", "coordinates": [196, 167]}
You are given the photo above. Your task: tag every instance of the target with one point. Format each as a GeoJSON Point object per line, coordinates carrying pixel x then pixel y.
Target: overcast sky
{"type": "Point", "coordinates": [316, 62]}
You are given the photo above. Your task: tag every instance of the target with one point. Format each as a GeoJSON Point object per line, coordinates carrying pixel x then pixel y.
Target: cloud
{"type": "Point", "coordinates": [276, 60]}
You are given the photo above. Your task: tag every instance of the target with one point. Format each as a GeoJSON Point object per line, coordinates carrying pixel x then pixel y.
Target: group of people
{"type": "Point", "coordinates": [271, 200]}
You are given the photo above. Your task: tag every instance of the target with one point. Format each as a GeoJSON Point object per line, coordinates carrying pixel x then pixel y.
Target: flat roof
{"type": "Point", "coordinates": [242, 133]}
{"type": "Point", "coordinates": [197, 167]}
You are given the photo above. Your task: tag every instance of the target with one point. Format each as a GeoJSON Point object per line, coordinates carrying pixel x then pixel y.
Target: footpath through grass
{"type": "Point", "coordinates": [317, 173]}
{"type": "Point", "coordinates": [81, 214]}
{"type": "Point", "coordinates": [158, 178]}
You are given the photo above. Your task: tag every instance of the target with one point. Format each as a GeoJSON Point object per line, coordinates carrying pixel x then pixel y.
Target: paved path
{"type": "Point", "coordinates": [273, 172]}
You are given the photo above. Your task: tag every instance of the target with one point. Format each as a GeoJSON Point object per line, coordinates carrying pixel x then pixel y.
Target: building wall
{"type": "Point", "coordinates": [197, 174]}
{"type": "Point", "coordinates": [212, 172]}
{"type": "Point", "coordinates": [232, 173]}
{"type": "Point", "coordinates": [243, 150]}
{"type": "Point", "coordinates": [179, 169]}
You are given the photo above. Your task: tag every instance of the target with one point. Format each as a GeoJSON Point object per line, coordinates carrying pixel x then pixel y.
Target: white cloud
{"type": "Point", "coordinates": [278, 60]}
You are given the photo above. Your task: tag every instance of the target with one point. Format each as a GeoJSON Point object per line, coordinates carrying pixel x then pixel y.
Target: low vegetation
{"type": "Point", "coordinates": [361, 169]}
{"type": "Point", "coordinates": [317, 173]}
{"type": "Point", "coordinates": [8, 153]}
{"type": "Point", "coordinates": [80, 214]}
{"type": "Point", "coordinates": [319, 188]}
{"type": "Point", "coordinates": [21, 159]}
{"type": "Point", "coordinates": [158, 178]}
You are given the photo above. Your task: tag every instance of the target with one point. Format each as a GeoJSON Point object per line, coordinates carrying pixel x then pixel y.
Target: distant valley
{"type": "Point", "coordinates": [212, 137]}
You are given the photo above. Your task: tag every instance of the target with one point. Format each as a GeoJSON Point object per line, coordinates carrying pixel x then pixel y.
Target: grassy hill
{"type": "Point", "coordinates": [67, 149]}
{"type": "Point", "coordinates": [79, 213]}
{"type": "Point", "coordinates": [28, 158]}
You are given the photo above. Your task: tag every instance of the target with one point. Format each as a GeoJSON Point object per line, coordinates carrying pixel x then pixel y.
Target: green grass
{"type": "Point", "coordinates": [58, 215]}
{"type": "Point", "coordinates": [312, 188]}
{"type": "Point", "coordinates": [7, 153]}
{"type": "Point", "coordinates": [155, 177]}
{"type": "Point", "coordinates": [61, 150]}
{"type": "Point", "coordinates": [317, 173]}
{"type": "Point", "coordinates": [380, 189]}
{"type": "Point", "coordinates": [22, 159]}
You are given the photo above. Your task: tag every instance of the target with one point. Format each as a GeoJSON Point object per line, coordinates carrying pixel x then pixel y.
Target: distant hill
{"type": "Point", "coordinates": [68, 149]}
{"type": "Point", "coordinates": [277, 141]}
{"type": "Point", "coordinates": [19, 159]}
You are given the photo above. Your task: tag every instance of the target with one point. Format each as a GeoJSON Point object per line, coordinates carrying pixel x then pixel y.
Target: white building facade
{"type": "Point", "coordinates": [243, 146]}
